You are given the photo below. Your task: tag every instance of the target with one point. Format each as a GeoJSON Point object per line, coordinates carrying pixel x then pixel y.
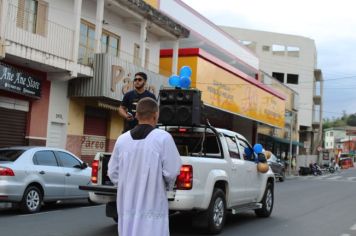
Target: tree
{"type": "Point", "coordinates": [351, 120]}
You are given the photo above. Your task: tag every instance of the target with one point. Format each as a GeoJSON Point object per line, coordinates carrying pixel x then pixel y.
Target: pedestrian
{"type": "Point", "coordinates": [294, 163]}
{"type": "Point", "coordinates": [144, 165]}
{"type": "Point", "coordinates": [127, 108]}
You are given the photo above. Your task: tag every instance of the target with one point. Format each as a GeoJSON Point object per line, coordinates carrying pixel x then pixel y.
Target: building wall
{"type": "Point", "coordinates": [58, 113]}
{"type": "Point", "coordinates": [303, 65]}
{"type": "Point", "coordinates": [129, 34]}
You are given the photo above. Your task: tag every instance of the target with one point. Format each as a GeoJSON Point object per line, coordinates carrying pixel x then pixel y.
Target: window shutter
{"type": "Point", "coordinates": [42, 18]}
{"type": "Point", "coordinates": [20, 14]}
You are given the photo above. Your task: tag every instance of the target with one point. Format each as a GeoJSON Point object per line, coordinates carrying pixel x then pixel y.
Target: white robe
{"type": "Point", "coordinates": [142, 170]}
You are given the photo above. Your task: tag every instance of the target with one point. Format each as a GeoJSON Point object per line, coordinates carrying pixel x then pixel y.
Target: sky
{"type": "Point", "coordinates": [332, 25]}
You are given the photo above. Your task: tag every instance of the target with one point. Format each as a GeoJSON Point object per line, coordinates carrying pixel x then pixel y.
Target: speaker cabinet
{"type": "Point", "coordinates": [180, 107]}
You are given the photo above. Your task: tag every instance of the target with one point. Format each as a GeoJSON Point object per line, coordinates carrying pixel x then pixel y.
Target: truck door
{"type": "Point", "coordinates": [252, 178]}
{"type": "Point", "coordinates": [238, 173]}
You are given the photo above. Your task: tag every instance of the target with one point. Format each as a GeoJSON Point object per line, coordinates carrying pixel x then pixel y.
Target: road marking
{"type": "Point", "coordinates": [335, 177]}
{"type": "Point", "coordinates": [56, 210]}
{"type": "Point", "coordinates": [353, 227]}
{"type": "Point", "coordinates": [345, 235]}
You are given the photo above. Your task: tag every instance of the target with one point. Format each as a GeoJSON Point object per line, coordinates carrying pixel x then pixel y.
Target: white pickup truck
{"type": "Point", "coordinates": [215, 178]}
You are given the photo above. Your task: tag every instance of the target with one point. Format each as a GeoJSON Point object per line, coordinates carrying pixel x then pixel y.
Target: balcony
{"type": "Point", "coordinates": [318, 75]}
{"type": "Point", "coordinates": [317, 99]}
{"type": "Point", "coordinates": [48, 42]}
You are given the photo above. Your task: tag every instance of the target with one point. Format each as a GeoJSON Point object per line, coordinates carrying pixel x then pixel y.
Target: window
{"type": "Point", "coordinates": [32, 15]}
{"type": "Point", "coordinates": [191, 143]}
{"type": "Point", "coordinates": [278, 49]}
{"type": "Point", "coordinates": [293, 51]}
{"type": "Point", "coordinates": [137, 54]}
{"type": "Point", "coordinates": [45, 158]}
{"type": "Point", "coordinates": [331, 133]}
{"type": "Point", "coordinates": [10, 154]}
{"type": "Point", "coordinates": [266, 48]}
{"type": "Point", "coordinates": [232, 146]}
{"type": "Point", "coordinates": [279, 76]}
{"type": "Point", "coordinates": [246, 150]}
{"type": "Point", "coordinates": [110, 43]}
{"type": "Point", "coordinates": [67, 160]}
{"type": "Point", "coordinates": [250, 44]}
{"type": "Point", "coordinates": [147, 58]}
{"type": "Point", "coordinates": [292, 79]}
{"type": "Point", "coordinates": [86, 44]}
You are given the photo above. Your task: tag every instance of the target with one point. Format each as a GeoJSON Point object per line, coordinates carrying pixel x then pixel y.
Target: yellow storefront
{"type": "Point", "coordinates": [226, 89]}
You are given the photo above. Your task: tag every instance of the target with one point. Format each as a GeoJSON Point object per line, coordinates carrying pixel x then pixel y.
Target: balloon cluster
{"type": "Point", "coordinates": [261, 161]}
{"type": "Point", "coordinates": [183, 80]}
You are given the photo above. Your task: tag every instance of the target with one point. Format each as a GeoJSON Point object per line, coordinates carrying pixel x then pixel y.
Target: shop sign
{"type": "Point", "coordinates": [16, 81]}
{"type": "Point", "coordinates": [229, 92]}
{"type": "Point", "coordinates": [91, 144]}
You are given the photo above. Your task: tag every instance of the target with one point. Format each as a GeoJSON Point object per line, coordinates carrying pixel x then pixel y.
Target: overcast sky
{"type": "Point", "coordinates": [332, 24]}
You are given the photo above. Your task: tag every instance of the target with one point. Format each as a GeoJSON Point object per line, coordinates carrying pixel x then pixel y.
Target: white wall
{"type": "Point", "coordinates": [58, 113]}
{"type": "Point", "coordinates": [303, 65]}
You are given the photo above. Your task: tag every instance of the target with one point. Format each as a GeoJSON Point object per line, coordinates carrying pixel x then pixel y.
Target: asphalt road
{"type": "Point", "coordinates": [304, 206]}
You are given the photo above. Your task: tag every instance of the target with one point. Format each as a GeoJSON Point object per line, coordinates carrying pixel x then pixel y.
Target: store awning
{"type": "Point", "coordinates": [281, 140]}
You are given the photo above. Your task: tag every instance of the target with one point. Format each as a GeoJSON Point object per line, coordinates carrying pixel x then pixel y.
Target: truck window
{"type": "Point", "coordinates": [203, 144]}
{"type": "Point", "coordinates": [246, 150]}
{"type": "Point", "coordinates": [232, 146]}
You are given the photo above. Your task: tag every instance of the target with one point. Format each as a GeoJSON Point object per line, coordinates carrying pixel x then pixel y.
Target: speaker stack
{"type": "Point", "coordinates": [180, 107]}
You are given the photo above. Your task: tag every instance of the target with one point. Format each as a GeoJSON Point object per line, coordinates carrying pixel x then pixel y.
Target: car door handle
{"type": "Point", "coordinates": [42, 172]}
{"type": "Point", "coordinates": [68, 174]}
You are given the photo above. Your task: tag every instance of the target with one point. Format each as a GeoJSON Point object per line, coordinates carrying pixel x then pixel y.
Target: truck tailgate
{"type": "Point", "coordinates": [112, 190]}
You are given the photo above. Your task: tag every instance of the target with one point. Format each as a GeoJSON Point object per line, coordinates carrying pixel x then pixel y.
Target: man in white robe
{"type": "Point", "coordinates": [144, 163]}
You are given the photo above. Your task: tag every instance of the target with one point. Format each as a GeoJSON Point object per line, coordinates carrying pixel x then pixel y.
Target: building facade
{"type": "Point", "coordinates": [226, 71]}
{"type": "Point", "coordinates": [65, 66]}
{"type": "Point", "coordinates": [340, 139]}
{"type": "Point", "coordinates": [283, 142]}
{"type": "Point", "coordinates": [293, 61]}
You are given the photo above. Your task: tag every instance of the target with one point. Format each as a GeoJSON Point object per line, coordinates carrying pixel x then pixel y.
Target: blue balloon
{"type": "Point", "coordinates": [174, 80]}
{"type": "Point", "coordinates": [257, 148]}
{"type": "Point", "coordinates": [185, 71]}
{"type": "Point", "coordinates": [184, 82]}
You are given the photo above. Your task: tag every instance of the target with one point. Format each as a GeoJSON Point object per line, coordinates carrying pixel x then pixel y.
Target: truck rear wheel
{"type": "Point", "coordinates": [267, 202]}
{"type": "Point", "coordinates": [216, 213]}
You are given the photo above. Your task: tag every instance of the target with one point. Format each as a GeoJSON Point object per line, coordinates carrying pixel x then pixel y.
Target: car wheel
{"type": "Point", "coordinates": [267, 202]}
{"type": "Point", "coordinates": [216, 213]}
{"type": "Point", "coordinates": [31, 200]}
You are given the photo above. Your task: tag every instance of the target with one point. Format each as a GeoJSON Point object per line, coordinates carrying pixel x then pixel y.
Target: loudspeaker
{"type": "Point", "coordinates": [180, 107]}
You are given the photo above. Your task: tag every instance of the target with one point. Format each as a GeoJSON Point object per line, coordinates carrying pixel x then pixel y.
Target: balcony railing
{"type": "Point", "coordinates": [57, 39]}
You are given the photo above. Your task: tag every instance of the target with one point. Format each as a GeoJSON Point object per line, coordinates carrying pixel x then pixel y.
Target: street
{"type": "Point", "coordinates": [304, 205]}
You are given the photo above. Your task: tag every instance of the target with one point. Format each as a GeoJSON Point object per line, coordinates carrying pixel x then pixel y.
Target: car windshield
{"type": "Point", "coordinates": [10, 154]}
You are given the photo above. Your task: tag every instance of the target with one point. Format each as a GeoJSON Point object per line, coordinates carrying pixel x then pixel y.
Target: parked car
{"type": "Point", "coordinates": [30, 176]}
{"type": "Point", "coordinates": [277, 166]}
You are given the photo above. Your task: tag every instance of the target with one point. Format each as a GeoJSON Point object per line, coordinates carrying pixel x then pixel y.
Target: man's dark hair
{"type": "Point", "coordinates": [146, 107]}
{"type": "Point", "coordinates": [142, 74]}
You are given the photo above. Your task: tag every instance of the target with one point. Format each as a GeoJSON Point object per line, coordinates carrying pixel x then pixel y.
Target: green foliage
{"type": "Point", "coordinates": [351, 120]}
{"type": "Point", "coordinates": [344, 120]}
